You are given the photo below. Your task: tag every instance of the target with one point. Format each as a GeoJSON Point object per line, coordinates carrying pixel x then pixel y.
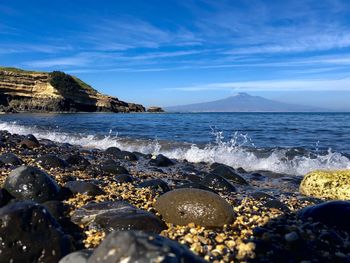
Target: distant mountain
{"type": "Point", "coordinates": [243, 102]}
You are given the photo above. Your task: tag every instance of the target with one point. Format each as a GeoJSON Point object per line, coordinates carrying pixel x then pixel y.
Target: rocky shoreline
{"type": "Point", "coordinates": [64, 203]}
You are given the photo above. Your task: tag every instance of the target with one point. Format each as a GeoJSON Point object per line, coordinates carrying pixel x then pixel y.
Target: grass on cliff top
{"type": "Point", "coordinates": [84, 85]}
{"type": "Point", "coordinates": [18, 70]}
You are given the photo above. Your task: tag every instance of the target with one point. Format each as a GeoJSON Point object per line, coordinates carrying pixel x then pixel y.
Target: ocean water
{"type": "Point", "coordinates": [289, 143]}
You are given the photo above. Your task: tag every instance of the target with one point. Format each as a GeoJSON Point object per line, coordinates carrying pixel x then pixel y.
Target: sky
{"type": "Point", "coordinates": [168, 52]}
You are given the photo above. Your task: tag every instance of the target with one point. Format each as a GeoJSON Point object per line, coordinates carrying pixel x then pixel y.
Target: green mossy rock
{"type": "Point", "coordinates": [333, 185]}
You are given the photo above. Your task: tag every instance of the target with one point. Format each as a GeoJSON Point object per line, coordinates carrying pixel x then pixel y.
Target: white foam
{"type": "Point", "coordinates": [233, 152]}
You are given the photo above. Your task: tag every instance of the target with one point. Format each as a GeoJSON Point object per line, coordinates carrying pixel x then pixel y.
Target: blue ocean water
{"type": "Point", "coordinates": [292, 143]}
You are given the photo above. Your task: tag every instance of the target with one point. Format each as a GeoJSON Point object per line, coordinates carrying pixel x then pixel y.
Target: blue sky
{"type": "Point", "coordinates": [177, 52]}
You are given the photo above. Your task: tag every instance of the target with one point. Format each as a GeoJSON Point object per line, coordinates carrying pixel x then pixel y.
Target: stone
{"type": "Point", "coordinates": [327, 184]}
{"type": "Point", "coordinates": [332, 213]}
{"type": "Point", "coordinates": [196, 186]}
{"type": "Point", "coordinates": [30, 183]}
{"type": "Point", "coordinates": [49, 161]}
{"type": "Point", "coordinates": [80, 256]}
{"type": "Point", "coordinates": [30, 234]}
{"type": "Point", "coordinates": [218, 183]}
{"type": "Point", "coordinates": [229, 173]}
{"type": "Point", "coordinates": [155, 184]}
{"type": "Point", "coordinates": [112, 168]}
{"type": "Point", "coordinates": [189, 205]}
{"type": "Point", "coordinates": [5, 197]}
{"type": "Point", "coordinates": [118, 215]}
{"type": "Point", "coordinates": [112, 150]}
{"type": "Point", "coordinates": [276, 204]}
{"type": "Point", "coordinates": [137, 246]}
{"type": "Point", "coordinates": [82, 187]}
{"type": "Point", "coordinates": [10, 158]}
{"type": "Point", "coordinates": [259, 195]}
{"type": "Point", "coordinates": [28, 144]}
{"type": "Point", "coordinates": [124, 178]}
{"type": "Point", "coordinates": [161, 161]}
{"type": "Point", "coordinates": [77, 160]}
{"type": "Point", "coordinates": [125, 155]}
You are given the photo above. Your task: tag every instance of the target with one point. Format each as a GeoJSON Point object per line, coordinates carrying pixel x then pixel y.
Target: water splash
{"type": "Point", "coordinates": [236, 151]}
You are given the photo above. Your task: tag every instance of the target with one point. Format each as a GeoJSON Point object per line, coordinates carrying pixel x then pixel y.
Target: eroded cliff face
{"type": "Point", "coordinates": [26, 91]}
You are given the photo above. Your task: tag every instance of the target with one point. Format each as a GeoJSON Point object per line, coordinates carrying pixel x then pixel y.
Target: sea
{"type": "Point", "coordinates": [288, 143]}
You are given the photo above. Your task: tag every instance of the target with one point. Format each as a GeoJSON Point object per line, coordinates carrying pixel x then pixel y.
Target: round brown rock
{"type": "Point", "coordinates": [188, 205]}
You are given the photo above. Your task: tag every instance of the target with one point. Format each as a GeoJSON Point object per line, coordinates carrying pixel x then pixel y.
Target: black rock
{"type": "Point", "coordinates": [57, 209]}
{"type": "Point", "coordinates": [112, 168]}
{"type": "Point", "coordinates": [80, 256]}
{"type": "Point", "coordinates": [192, 177]}
{"type": "Point", "coordinates": [276, 204]}
{"type": "Point", "coordinates": [229, 173]}
{"type": "Point", "coordinates": [112, 151]}
{"type": "Point", "coordinates": [51, 161]}
{"type": "Point", "coordinates": [5, 197]}
{"type": "Point", "coordinates": [77, 160]}
{"type": "Point", "coordinates": [124, 178]}
{"type": "Point", "coordinates": [32, 138]}
{"type": "Point", "coordinates": [333, 213]}
{"type": "Point", "coordinates": [155, 184]}
{"type": "Point", "coordinates": [196, 186]}
{"type": "Point", "coordinates": [118, 215]}
{"type": "Point", "coordinates": [10, 158]}
{"type": "Point", "coordinates": [30, 234]}
{"type": "Point", "coordinates": [258, 195]}
{"type": "Point", "coordinates": [218, 183]}
{"type": "Point", "coordinates": [141, 247]}
{"type": "Point", "coordinates": [30, 183]}
{"type": "Point", "coordinates": [125, 155]}
{"type": "Point", "coordinates": [82, 187]}
{"type": "Point", "coordinates": [161, 161]}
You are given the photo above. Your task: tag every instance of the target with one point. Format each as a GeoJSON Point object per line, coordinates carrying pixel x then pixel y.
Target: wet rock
{"type": "Point", "coordinates": [259, 195]}
{"type": "Point", "coordinates": [276, 204]}
{"type": "Point", "coordinates": [327, 184]}
{"type": "Point", "coordinates": [28, 144]}
{"type": "Point", "coordinates": [118, 215]}
{"type": "Point", "coordinates": [112, 150]}
{"type": "Point", "coordinates": [137, 246]}
{"type": "Point", "coordinates": [124, 178]}
{"type": "Point", "coordinates": [57, 209]}
{"type": "Point", "coordinates": [82, 187]}
{"type": "Point", "coordinates": [196, 186]}
{"type": "Point", "coordinates": [80, 256]}
{"type": "Point", "coordinates": [125, 155]}
{"type": "Point", "coordinates": [229, 173]}
{"type": "Point", "coordinates": [113, 168]}
{"type": "Point", "coordinates": [332, 213]}
{"type": "Point", "coordinates": [155, 184]}
{"type": "Point", "coordinates": [49, 161]}
{"type": "Point", "coordinates": [218, 183]}
{"type": "Point", "coordinates": [30, 234]}
{"type": "Point", "coordinates": [161, 161]}
{"type": "Point", "coordinates": [30, 183]}
{"type": "Point", "coordinates": [10, 158]}
{"type": "Point", "coordinates": [5, 197]}
{"type": "Point", "coordinates": [77, 160]}
{"type": "Point", "coordinates": [192, 177]}
{"type": "Point", "coordinates": [184, 206]}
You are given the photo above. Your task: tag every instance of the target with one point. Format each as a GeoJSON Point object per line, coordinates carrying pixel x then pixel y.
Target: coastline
{"type": "Point", "coordinates": [266, 207]}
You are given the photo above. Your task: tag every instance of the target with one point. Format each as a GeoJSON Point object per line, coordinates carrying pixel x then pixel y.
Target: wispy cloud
{"type": "Point", "coordinates": [275, 85]}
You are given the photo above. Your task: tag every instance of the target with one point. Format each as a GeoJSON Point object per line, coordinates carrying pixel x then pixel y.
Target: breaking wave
{"type": "Point", "coordinates": [238, 151]}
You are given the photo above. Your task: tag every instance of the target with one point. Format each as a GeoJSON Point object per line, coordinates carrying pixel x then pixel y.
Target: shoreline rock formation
{"type": "Point", "coordinates": [29, 91]}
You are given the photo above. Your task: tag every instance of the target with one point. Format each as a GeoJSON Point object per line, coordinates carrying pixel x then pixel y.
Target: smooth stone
{"type": "Point", "coordinates": [5, 197]}
{"type": "Point", "coordinates": [81, 187]}
{"type": "Point", "coordinates": [218, 183]}
{"type": "Point", "coordinates": [118, 215]}
{"type": "Point", "coordinates": [10, 158]}
{"type": "Point", "coordinates": [30, 234]}
{"type": "Point", "coordinates": [51, 161]}
{"type": "Point", "coordinates": [155, 184]}
{"type": "Point", "coordinates": [125, 155]}
{"type": "Point", "coordinates": [28, 144]}
{"type": "Point", "coordinates": [57, 209]}
{"type": "Point", "coordinates": [259, 195]}
{"type": "Point", "coordinates": [78, 160]}
{"type": "Point", "coordinates": [327, 184]}
{"type": "Point", "coordinates": [332, 214]}
{"type": "Point", "coordinates": [32, 138]}
{"type": "Point", "coordinates": [229, 173]}
{"type": "Point", "coordinates": [161, 161]}
{"type": "Point", "coordinates": [189, 205]}
{"type": "Point", "coordinates": [30, 183]}
{"type": "Point", "coordinates": [80, 256]}
{"type": "Point", "coordinates": [137, 246]}
{"type": "Point", "coordinates": [196, 186]}
{"type": "Point", "coordinates": [113, 168]}
{"type": "Point", "coordinates": [112, 150]}
{"type": "Point", "coordinates": [124, 178]}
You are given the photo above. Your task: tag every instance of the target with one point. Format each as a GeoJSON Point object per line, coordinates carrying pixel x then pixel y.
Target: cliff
{"type": "Point", "coordinates": [29, 91]}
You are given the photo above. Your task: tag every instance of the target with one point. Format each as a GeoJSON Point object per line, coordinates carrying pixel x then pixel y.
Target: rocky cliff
{"type": "Point", "coordinates": [28, 91]}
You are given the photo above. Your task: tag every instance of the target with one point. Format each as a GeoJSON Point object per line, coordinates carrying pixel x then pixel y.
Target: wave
{"type": "Point", "coordinates": [237, 152]}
